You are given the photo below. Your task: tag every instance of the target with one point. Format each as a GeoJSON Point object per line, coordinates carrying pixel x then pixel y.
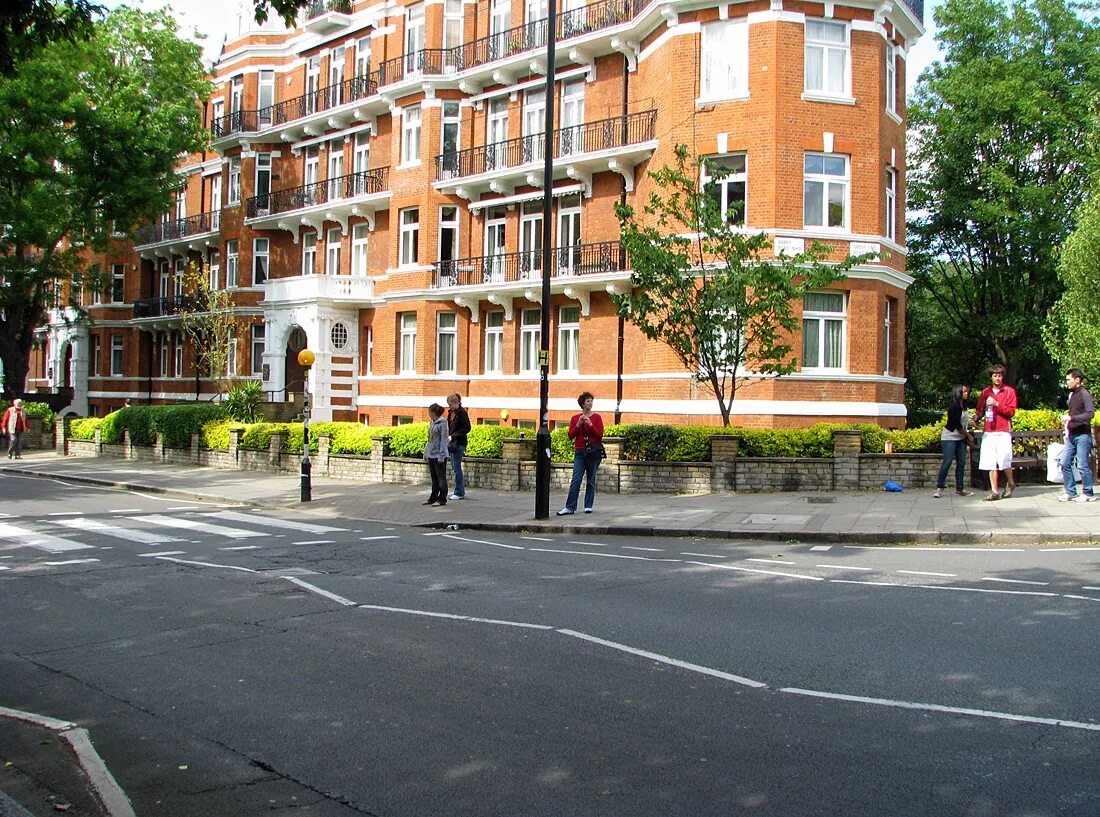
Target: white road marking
{"type": "Point", "coordinates": [124, 510]}
{"type": "Point", "coordinates": [591, 544]}
{"type": "Point", "coordinates": [664, 659]}
{"type": "Point", "coordinates": [201, 527]}
{"type": "Point", "coordinates": [871, 584]}
{"type": "Point", "coordinates": [144, 537]}
{"type": "Point", "coordinates": [927, 573]}
{"type": "Point", "coordinates": [1067, 550]}
{"type": "Point", "coordinates": [771, 561]}
{"type": "Point", "coordinates": [1065, 595]}
{"type": "Point", "coordinates": [184, 508]}
{"type": "Point", "coordinates": [375, 538]}
{"type": "Point", "coordinates": [754, 570]}
{"type": "Point", "coordinates": [313, 542]}
{"type": "Point", "coordinates": [604, 555]}
{"type": "Point", "coordinates": [454, 617]}
{"type": "Point", "coordinates": [822, 547]}
{"type": "Point", "coordinates": [939, 550]}
{"type": "Point", "coordinates": [538, 538]}
{"type": "Point", "coordinates": [4, 567]}
{"type": "Point", "coordinates": [844, 567]}
{"type": "Point", "coordinates": [1090, 588]}
{"type": "Point", "coordinates": [1011, 581]}
{"type": "Point", "coordinates": [648, 550]}
{"type": "Point", "coordinates": [703, 555]}
{"type": "Point", "coordinates": [437, 533]}
{"type": "Point", "coordinates": [71, 562]}
{"type": "Point", "coordinates": [483, 542]}
{"type": "Point", "coordinates": [945, 587]}
{"type": "Point", "coordinates": [273, 522]}
{"type": "Point", "coordinates": [42, 541]}
{"type": "Point", "coordinates": [206, 564]}
{"type": "Point", "coordinates": [320, 592]}
{"type": "Point", "coordinates": [951, 710]}
{"type": "Point", "coordinates": [65, 513]}
{"type": "Point", "coordinates": [242, 547]}
{"type": "Point", "coordinates": [162, 553]}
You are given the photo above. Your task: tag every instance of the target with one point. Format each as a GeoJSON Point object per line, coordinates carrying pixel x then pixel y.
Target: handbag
{"type": "Point", "coordinates": [591, 448]}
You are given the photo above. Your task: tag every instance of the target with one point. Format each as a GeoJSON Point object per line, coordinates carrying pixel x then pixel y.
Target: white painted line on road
{"type": "Point", "coordinates": [822, 547]}
{"type": "Point", "coordinates": [273, 522]}
{"type": "Point", "coordinates": [844, 567]}
{"type": "Point", "coordinates": [144, 537]}
{"type": "Point", "coordinates": [65, 513]}
{"type": "Point", "coordinates": [945, 587]}
{"type": "Point", "coordinates": [314, 542]}
{"type": "Point", "coordinates": [538, 538]}
{"type": "Point", "coordinates": [124, 510]}
{"type": "Point", "coordinates": [375, 538]}
{"type": "Point", "coordinates": [4, 567]}
{"type": "Point", "coordinates": [664, 659]}
{"type": "Point", "coordinates": [483, 542]}
{"type": "Point", "coordinates": [604, 555]}
{"type": "Point", "coordinates": [939, 550]}
{"type": "Point", "coordinates": [1012, 581]}
{"type": "Point", "coordinates": [1090, 588]}
{"type": "Point", "coordinates": [522, 624]}
{"type": "Point", "coordinates": [162, 553]}
{"type": "Point", "coordinates": [1067, 550]}
{"type": "Point", "coordinates": [242, 547]}
{"type": "Point", "coordinates": [703, 555]}
{"type": "Point", "coordinates": [928, 573]}
{"type": "Point", "coordinates": [871, 584]}
{"type": "Point", "coordinates": [436, 533]}
{"type": "Point", "coordinates": [754, 570]}
{"type": "Point", "coordinates": [648, 550]}
{"type": "Point", "coordinates": [45, 721]}
{"type": "Point", "coordinates": [1068, 596]}
{"type": "Point", "coordinates": [428, 613]}
{"type": "Point", "coordinates": [71, 562]}
{"type": "Point", "coordinates": [771, 561]}
{"type": "Point", "coordinates": [591, 544]}
{"type": "Point", "coordinates": [320, 592]}
{"type": "Point", "coordinates": [42, 541]}
{"type": "Point", "coordinates": [951, 710]}
{"type": "Point", "coordinates": [184, 508]}
{"type": "Point", "coordinates": [193, 525]}
{"type": "Point", "coordinates": [207, 564]}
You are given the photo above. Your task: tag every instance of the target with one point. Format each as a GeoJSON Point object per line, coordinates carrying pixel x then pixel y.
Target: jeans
{"type": "Point", "coordinates": [953, 450]}
{"type": "Point", "coordinates": [438, 471]}
{"type": "Point", "coordinates": [1078, 447]}
{"type": "Point", "coordinates": [457, 452]}
{"type": "Point", "coordinates": [15, 444]}
{"type": "Point", "coordinates": [583, 465]}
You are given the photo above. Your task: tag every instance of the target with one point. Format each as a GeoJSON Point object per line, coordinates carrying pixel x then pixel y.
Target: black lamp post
{"type": "Point", "coordinates": [542, 438]}
{"type": "Point", "coordinates": [305, 359]}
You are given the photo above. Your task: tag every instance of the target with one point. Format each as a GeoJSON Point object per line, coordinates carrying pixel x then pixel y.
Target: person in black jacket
{"type": "Point", "coordinates": [459, 422]}
{"type": "Point", "coordinates": [1078, 423]}
{"type": "Point", "coordinates": [954, 440]}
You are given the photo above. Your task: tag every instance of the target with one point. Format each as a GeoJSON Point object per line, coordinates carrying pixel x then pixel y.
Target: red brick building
{"type": "Point", "coordinates": [374, 192]}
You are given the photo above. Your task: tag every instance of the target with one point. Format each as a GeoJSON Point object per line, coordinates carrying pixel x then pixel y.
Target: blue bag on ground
{"type": "Point", "coordinates": [894, 487]}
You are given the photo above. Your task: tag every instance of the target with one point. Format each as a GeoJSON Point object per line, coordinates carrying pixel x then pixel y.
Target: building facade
{"type": "Point", "coordinates": [374, 192]}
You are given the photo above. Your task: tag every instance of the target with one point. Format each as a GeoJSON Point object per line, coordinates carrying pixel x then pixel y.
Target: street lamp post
{"type": "Point", "coordinates": [305, 359]}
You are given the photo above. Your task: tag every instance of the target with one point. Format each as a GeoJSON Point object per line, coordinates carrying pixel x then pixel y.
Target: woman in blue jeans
{"type": "Point", "coordinates": [954, 440]}
{"type": "Point", "coordinates": [586, 432]}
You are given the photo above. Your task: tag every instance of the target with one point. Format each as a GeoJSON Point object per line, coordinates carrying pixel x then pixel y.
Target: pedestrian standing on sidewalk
{"type": "Point", "coordinates": [15, 425]}
{"type": "Point", "coordinates": [435, 452]}
{"type": "Point", "coordinates": [954, 440]}
{"type": "Point", "coordinates": [586, 432]}
{"type": "Point", "coordinates": [1078, 424]}
{"type": "Point", "coordinates": [458, 423]}
{"type": "Point", "coordinates": [996, 407]}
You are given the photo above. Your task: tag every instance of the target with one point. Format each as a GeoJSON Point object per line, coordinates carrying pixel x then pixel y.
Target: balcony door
{"type": "Point", "coordinates": [263, 183]}
{"type": "Point", "coordinates": [313, 84]}
{"type": "Point", "coordinates": [335, 169]}
{"type": "Point", "coordinates": [534, 124]}
{"type": "Point", "coordinates": [494, 245]}
{"type": "Point", "coordinates": [530, 240]}
{"type": "Point", "coordinates": [414, 39]}
{"type": "Point", "coordinates": [569, 233]}
{"type": "Point", "coordinates": [310, 176]}
{"type": "Point", "coordinates": [336, 77]}
{"type": "Point", "coordinates": [266, 98]}
{"type": "Point", "coordinates": [500, 20]}
{"type": "Point", "coordinates": [572, 117]}
{"type": "Point", "coordinates": [496, 133]}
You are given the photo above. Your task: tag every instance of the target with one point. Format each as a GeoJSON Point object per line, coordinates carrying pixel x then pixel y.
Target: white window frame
{"type": "Point", "coordinates": [530, 341]}
{"type": "Point", "coordinates": [263, 173]}
{"type": "Point", "coordinates": [261, 261]}
{"type": "Point", "coordinates": [265, 97]}
{"type": "Point", "coordinates": [891, 76]}
{"type": "Point", "coordinates": [177, 340]}
{"type": "Point", "coordinates": [336, 71]}
{"type": "Point", "coordinates": [724, 60]}
{"type": "Point", "coordinates": [259, 344]}
{"type": "Point", "coordinates": [453, 19]}
{"type": "Point", "coordinates": [818, 185]}
{"type": "Point", "coordinates": [118, 356]}
{"type": "Point", "coordinates": [362, 56]}
{"type": "Point", "coordinates": [569, 339]}
{"type": "Point", "coordinates": [333, 238]}
{"type": "Point", "coordinates": [723, 185]}
{"type": "Point", "coordinates": [96, 353]}
{"type": "Point", "coordinates": [231, 356]}
{"type": "Point", "coordinates": [494, 342]}
{"type": "Point", "coordinates": [446, 342]}
{"type": "Point", "coordinates": [409, 220]}
{"type": "Point", "coordinates": [163, 355]}
{"type": "Point", "coordinates": [819, 48]}
{"type": "Point", "coordinates": [451, 121]}
{"type": "Point", "coordinates": [410, 136]}
{"type": "Point", "coordinates": [407, 344]}
{"type": "Point", "coordinates": [118, 283]}
{"type": "Point", "coordinates": [335, 169]}
{"type": "Point", "coordinates": [888, 328]}
{"type": "Point", "coordinates": [448, 233]}
{"type": "Point", "coordinates": [360, 259]}
{"type": "Point", "coordinates": [891, 232]}
{"type": "Point", "coordinates": [214, 269]}
{"type": "Point", "coordinates": [232, 264]}
{"type": "Point", "coordinates": [309, 253]}
{"type": "Point", "coordinates": [823, 318]}
{"type": "Point", "coordinates": [234, 172]}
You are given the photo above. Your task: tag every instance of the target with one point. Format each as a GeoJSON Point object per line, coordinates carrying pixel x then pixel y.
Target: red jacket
{"type": "Point", "coordinates": [1002, 413]}
{"type": "Point", "coordinates": [595, 433]}
{"type": "Point", "coordinates": [20, 422]}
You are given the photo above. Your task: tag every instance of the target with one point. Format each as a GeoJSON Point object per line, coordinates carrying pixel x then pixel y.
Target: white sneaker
{"type": "Point", "coordinates": [565, 512]}
{"type": "Point", "coordinates": [455, 496]}
{"type": "Point", "coordinates": [1067, 498]}
{"type": "Point", "coordinates": [588, 510]}
{"type": "Point", "coordinates": [1085, 498]}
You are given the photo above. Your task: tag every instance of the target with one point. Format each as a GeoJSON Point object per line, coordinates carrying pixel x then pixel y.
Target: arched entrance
{"type": "Point", "coordinates": [295, 374]}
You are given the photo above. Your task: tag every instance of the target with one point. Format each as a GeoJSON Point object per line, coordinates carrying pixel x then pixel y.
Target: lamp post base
{"type": "Point", "coordinates": [307, 480]}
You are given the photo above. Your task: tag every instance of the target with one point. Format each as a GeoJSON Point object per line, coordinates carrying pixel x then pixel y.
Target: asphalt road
{"type": "Point", "coordinates": [228, 663]}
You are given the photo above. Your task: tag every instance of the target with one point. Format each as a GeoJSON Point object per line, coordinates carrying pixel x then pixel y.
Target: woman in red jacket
{"type": "Point", "coordinates": [586, 432]}
{"type": "Point", "coordinates": [14, 424]}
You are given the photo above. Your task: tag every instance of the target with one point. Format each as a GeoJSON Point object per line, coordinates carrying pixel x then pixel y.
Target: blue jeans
{"type": "Point", "coordinates": [1079, 447]}
{"type": "Point", "coordinates": [583, 465]}
{"type": "Point", "coordinates": [457, 452]}
{"type": "Point", "coordinates": [953, 450]}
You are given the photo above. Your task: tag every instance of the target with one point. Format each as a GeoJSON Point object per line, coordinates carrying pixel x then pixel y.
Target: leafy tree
{"type": "Point", "coordinates": [701, 286]}
{"type": "Point", "coordinates": [90, 136]}
{"type": "Point", "coordinates": [28, 25]}
{"type": "Point", "coordinates": [288, 9]}
{"type": "Point", "coordinates": [996, 172]}
{"type": "Point", "coordinates": [209, 319]}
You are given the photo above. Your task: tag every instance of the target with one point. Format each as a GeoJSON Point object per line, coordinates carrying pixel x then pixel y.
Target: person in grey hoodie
{"type": "Point", "coordinates": [435, 452]}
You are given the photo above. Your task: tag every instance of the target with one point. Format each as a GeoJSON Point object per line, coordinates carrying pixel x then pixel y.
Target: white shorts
{"type": "Point", "coordinates": [996, 452]}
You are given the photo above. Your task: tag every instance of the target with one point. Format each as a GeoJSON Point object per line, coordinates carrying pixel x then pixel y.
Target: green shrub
{"type": "Point", "coordinates": [244, 401]}
{"type": "Point", "coordinates": [215, 434]}
{"type": "Point", "coordinates": [693, 443]}
{"type": "Point", "coordinates": [561, 447]}
{"type": "Point", "coordinates": [258, 435]}
{"type": "Point", "coordinates": [84, 428]}
{"type": "Point", "coordinates": [351, 438]}
{"type": "Point", "coordinates": [488, 440]}
{"type": "Point", "coordinates": [919, 418]}
{"type": "Point", "coordinates": [922, 440]}
{"type": "Point", "coordinates": [650, 443]}
{"type": "Point", "coordinates": [1037, 420]}
{"type": "Point", "coordinates": [409, 440]}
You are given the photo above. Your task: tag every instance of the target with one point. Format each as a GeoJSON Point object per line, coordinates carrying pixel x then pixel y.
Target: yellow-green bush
{"type": "Point", "coordinates": [215, 434]}
{"type": "Point", "coordinates": [84, 428]}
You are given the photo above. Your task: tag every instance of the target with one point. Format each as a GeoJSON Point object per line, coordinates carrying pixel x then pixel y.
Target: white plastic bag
{"type": "Point", "coordinates": [1054, 463]}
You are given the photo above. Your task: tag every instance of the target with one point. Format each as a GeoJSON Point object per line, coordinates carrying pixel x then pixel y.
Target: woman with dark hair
{"type": "Point", "coordinates": [586, 432]}
{"type": "Point", "coordinates": [954, 440]}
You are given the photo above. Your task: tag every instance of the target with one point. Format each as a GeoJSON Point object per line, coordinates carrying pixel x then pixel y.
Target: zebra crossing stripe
{"type": "Point", "coordinates": [273, 522]}
{"type": "Point", "coordinates": [193, 525]}
{"type": "Point", "coordinates": [141, 536]}
{"type": "Point", "coordinates": [42, 541]}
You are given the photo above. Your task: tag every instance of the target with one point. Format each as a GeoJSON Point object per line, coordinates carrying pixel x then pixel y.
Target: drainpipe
{"type": "Point", "coordinates": [622, 264]}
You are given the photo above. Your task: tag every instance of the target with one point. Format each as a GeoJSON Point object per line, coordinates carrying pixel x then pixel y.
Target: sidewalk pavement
{"type": "Point", "coordinates": [1032, 516]}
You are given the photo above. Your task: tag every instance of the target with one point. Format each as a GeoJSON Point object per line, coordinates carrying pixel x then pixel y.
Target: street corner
{"type": "Point", "coordinates": [41, 774]}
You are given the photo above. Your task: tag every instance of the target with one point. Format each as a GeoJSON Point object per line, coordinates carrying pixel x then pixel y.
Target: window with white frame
{"type": "Point", "coordinates": [368, 343]}
{"type": "Point", "coordinates": [118, 283]}
{"type": "Point", "coordinates": [407, 343]}
{"type": "Point", "coordinates": [181, 267]}
{"type": "Point", "coordinates": [362, 56]}
{"type": "Point", "coordinates": [494, 343]}
{"type": "Point", "coordinates": [359, 257]}
{"type": "Point", "coordinates": [569, 338]}
{"type": "Point", "coordinates": [725, 179]}
{"type": "Point", "coordinates": [117, 361]}
{"type": "Point", "coordinates": [95, 281]}
{"type": "Point", "coordinates": [891, 78]}
{"type": "Point", "coordinates": [96, 368]}
{"type": "Point", "coordinates": [313, 83]}
{"type": "Point", "coordinates": [891, 203]}
{"type": "Point", "coordinates": [452, 121]}
{"type": "Point", "coordinates": [260, 260]}
{"type": "Point", "coordinates": [181, 205]}
{"type": "Point", "coordinates": [446, 343]}
{"type": "Point", "coordinates": [825, 190]}
{"type": "Point", "coordinates": [496, 132]}
{"type": "Point", "coordinates": [234, 194]}
{"type": "Point", "coordinates": [263, 183]}
{"type": "Point", "coordinates": [448, 238]}
{"type": "Point", "coordinates": [530, 340]}
{"type": "Point", "coordinates": [164, 354]}
{"type": "Point", "coordinates": [414, 38]}
{"type": "Point", "coordinates": [360, 163]}
{"type": "Point", "coordinates": [888, 334]}
{"type": "Point", "coordinates": [165, 280]}
{"type": "Point", "coordinates": [336, 76]}
{"type": "Point", "coordinates": [452, 23]}
{"type": "Point", "coordinates": [309, 253]}
{"type": "Point", "coordinates": [236, 94]}
{"type": "Point", "coordinates": [410, 135]}
{"type": "Point", "coordinates": [339, 336]}
{"type": "Point", "coordinates": [824, 319]}
{"type": "Point", "coordinates": [231, 263]}
{"type": "Point", "coordinates": [177, 340]}
{"type": "Point", "coordinates": [214, 269]}
{"type": "Point", "coordinates": [724, 59]}
{"type": "Point", "coordinates": [265, 97]}
{"type": "Point", "coordinates": [231, 354]}
{"type": "Point", "coordinates": [216, 201]}
{"type": "Point", "coordinates": [332, 251]}
{"type": "Point", "coordinates": [410, 236]}
{"type": "Point", "coordinates": [827, 58]}
{"type": "Point", "coordinates": [533, 124]}
{"type": "Point", "coordinates": [259, 341]}
{"type": "Point", "coordinates": [335, 169]}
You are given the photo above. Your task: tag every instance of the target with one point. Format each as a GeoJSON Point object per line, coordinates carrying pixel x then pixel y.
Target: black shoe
{"type": "Point", "coordinates": [429, 502]}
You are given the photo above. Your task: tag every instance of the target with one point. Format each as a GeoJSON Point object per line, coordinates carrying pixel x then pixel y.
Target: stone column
{"type": "Point", "coordinates": [196, 447]}
{"type": "Point", "coordinates": [609, 474]}
{"type": "Point", "coordinates": [235, 437]}
{"type": "Point", "coordinates": [61, 435]}
{"type": "Point", "coordinates": [33, 438]}
{"type": "Point", "coordinates": [98, 442]}
{"type": "Point", "coordinates": [516, 451]}
{"type": "Point", "coordinates": [275, 449]}
{"type": "Point", "coordinates": [158, 447]}
{"type": "Point", "coordinates": [376, 465]}
{"type": "Point", "coordinates": [127, 446]}
{"type": "Point", "coordinates": [320, 467]}
{"type": "Point", "coordinates": [724, 449]}
{"type": "Point", "coordinates": [847, 446]}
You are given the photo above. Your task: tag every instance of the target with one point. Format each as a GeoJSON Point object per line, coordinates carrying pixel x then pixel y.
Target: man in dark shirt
{"type": "Point", "coordinates": [1078, 423]}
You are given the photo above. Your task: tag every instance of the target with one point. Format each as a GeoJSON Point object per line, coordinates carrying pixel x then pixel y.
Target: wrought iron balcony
{"type": "Point", "coordinates": [167, 307]}
{"type": "Point", "coordinates": [605, 134]}
{"type": "Point", "coordinates": [323, 99]}
{"type": "Point", "coordinates": [339, 188]}
{"type": "Point", "coordinates": [177, 229]}
{"type": "Point", "coordinates": [514, 267]}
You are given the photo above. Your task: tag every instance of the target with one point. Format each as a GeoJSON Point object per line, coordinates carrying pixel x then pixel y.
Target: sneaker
{"type": "Point", "coordinates": [1085, 498]}
{"type": "Point", "coordinates": [455, 496]}
{"type": "Point", "coordinates": [1068, 498]}
{"type": "Point", "coordinates": [938, 494]}
{"type": "Point", "coordinates": [964, 493]}
{"type": "Point", "coordinates": [588, 510]}
{"type": "Point", "coordinates": [565, 512]}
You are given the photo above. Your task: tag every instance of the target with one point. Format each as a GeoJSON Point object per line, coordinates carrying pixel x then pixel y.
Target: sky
{"type": "Point", "coordinates": [213, 18]}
